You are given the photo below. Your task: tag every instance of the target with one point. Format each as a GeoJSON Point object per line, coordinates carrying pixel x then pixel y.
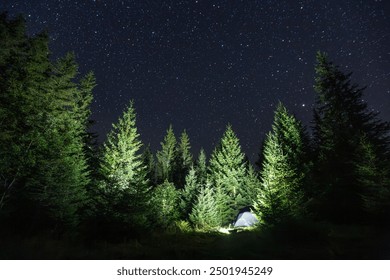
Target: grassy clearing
{"type": "Point", "coordinates": [298, 241]}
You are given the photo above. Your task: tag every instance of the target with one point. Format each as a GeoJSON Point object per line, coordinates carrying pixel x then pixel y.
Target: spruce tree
{"type": "Point", "coordinates": [183, 160]}
{"type": "Point", "coordinates": [164, 204]}
{"type": "Point", "coordinates": [341, 118]}
{"type": "Point", "coordinates": [84, 98]}
{"type": "Point", "coordinates": [124, 181]}
{"type": "Point", "coordinates": [373, 175]}
{"type": "Point", "coordinates": [272, 203]}
{"type": "Point", "coordinates": [252, 186]}
{"type": "Point", "coordinates": [166, 157]}
{"type": "Point", "coordinates": [201, 167]}
{"type": "Point", "coordinates": [227, 171]}
{"type": "Point", "coordinates": [281, 194]}
{"type": "Point", "coordinates": [42, 152]}
{"type": "Point", "coordinates": [291, 135]}
{"type": "Point", "coordinates": [205, 214]}
{"type": "Point", "coordinates": [24, 70]}
{"type": "Point", "coordinates": [149, 162]}
{"type": "Point", "coordinates": [64, 169]}
{"type": "Point", "coordinates": [188, 194]}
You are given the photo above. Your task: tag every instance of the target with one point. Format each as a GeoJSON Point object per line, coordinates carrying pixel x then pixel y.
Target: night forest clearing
{"type": "Point", "coordinates": [321, 192]}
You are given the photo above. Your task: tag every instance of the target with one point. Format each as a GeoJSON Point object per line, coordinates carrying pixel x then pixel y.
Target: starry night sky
{"type": "Point", "coordinates": [202, 64]}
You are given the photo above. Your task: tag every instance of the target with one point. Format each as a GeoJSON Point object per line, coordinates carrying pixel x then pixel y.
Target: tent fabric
{"type": "Point", "coordinates": [245, 218]}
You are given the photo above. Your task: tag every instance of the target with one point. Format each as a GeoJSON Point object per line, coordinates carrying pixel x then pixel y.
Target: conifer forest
{"type": "Point", "coordinates": [320, 191]}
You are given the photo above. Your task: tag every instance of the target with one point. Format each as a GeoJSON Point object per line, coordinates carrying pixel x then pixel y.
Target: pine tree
{"type": "Point", "coordinates": [227, 171]}
{"type": "Point", "coordinates": [252, 184]}
{"type": "Point", "coordinates": [42, 154]}
{"type": "Point", "coordinates": [204, 215]}
{"type": "Point", "coordinates": [272, 199]}
{"type": "Point", "coordinates": [183, 160]}
{"type": "Point", "coordinates": [64, 169]}
{"type": "Point", "coordinates": [124, 176]}
{"type": "Point", "coordinates": [188, 194]}
{"type": "Point", "coordinates": [281, 192]}
{"type": "Point", "coordinates": [24, 68]}
{"type": "Point", "coordinates": [166, 157]}
{"type": "Point", "coordinates": [341, 117]}
{"type": "Point", "coordinates": [165, 204]}
{"type": "Point", "coordinates": [83, 100]}
{"type": "Point", "coordinates": [201, 167]}
{"type": "Point", "coordinates": [373, 176]}
{"type": "Point", "coordinates": [148, 161]}
{"type": "Point", "coordinates": [291, 135]}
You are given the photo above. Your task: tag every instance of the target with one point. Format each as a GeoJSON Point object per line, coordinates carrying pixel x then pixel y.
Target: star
{"type": "Point", "coordinates": [213, 60]}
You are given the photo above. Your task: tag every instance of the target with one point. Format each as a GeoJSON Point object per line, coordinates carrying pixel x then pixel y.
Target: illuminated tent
{"type": "Point", "coordinates": [245, 218]}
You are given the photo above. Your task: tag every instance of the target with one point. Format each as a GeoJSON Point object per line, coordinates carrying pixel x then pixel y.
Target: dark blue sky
{"type": "Point", "coordinates": [202, 64]}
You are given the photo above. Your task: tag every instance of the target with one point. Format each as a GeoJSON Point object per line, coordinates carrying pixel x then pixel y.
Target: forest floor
{"type": "Point", "coordinates": [317, 241]}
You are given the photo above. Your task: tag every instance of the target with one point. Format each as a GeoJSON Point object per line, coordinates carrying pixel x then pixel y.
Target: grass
{"type": "Point", "coordinates": [291, 241]}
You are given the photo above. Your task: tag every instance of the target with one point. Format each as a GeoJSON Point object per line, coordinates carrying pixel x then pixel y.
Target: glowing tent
{"type": "Point", "coordinates": [245, 218]}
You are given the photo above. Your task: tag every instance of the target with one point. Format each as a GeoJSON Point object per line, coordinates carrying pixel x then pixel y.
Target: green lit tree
{"type": "Point", "coordinates": [165, 204]}
{"type": "Point", "coordinates": [201, 167]}
{"type": "Point", "coordinates": [43, 116]}
{"type": "Point", "coordinates": [292, 137]}
{"type": "Point", "coordinates": [63, 170]}
{"type": "Point", "coordinates": [166, 157]}
{"type": "Point", "coordinates": [188, 194]}
{"type": "Point", "coordinates": [227, 173]}
{"type": "Point", "coordinates": [24, 69]}
{"type": "Point", "coordinates": [124, 185]}
{"type": "Point", "coordinates": [205, 214]}
{"type": "Point", "coordinates": [252, 185]}
{"type": "Point", "coordinates": [272, 200]}
{"type": "Point", "coordinates": [84, 99]}
{"type": "Point", "coordinates": [281, 194]}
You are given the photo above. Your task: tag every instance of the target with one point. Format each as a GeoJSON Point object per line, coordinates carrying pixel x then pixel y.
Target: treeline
{"type": "Point", "coordinates": [55, 177]}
